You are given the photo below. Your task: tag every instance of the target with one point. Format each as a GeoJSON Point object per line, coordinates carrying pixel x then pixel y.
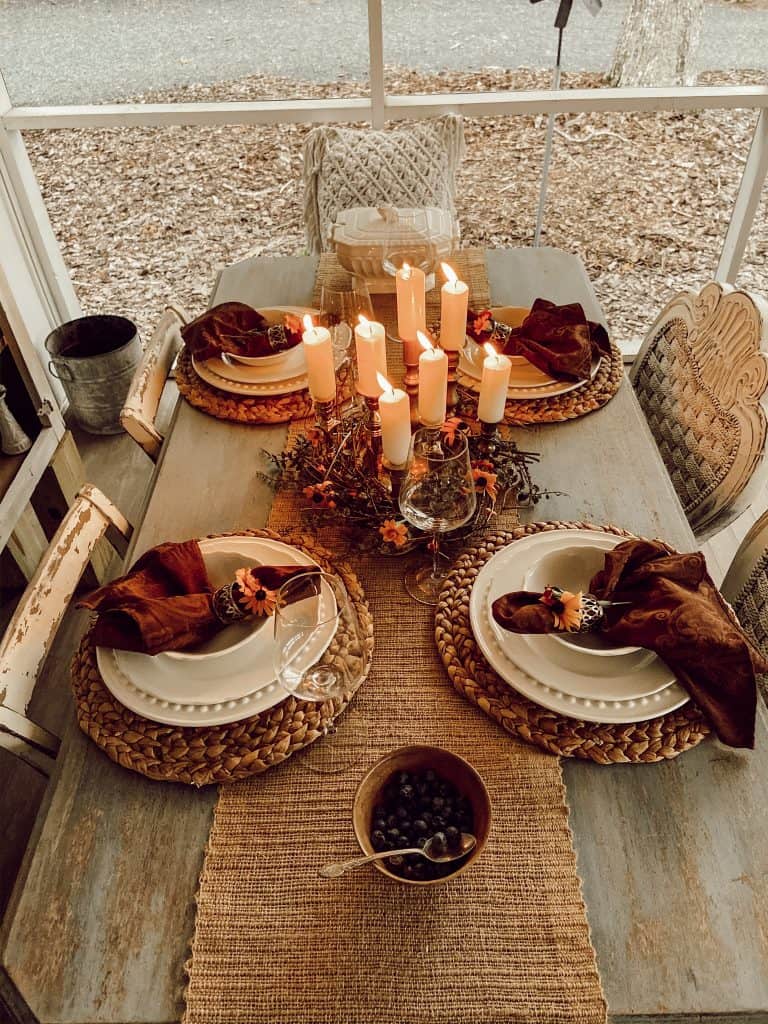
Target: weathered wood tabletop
{"type": "Point", "coordinates": [673, 857]}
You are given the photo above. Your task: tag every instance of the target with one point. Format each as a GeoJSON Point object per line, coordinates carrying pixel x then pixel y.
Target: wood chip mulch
{"type": "Point", "coordinates": [145, 216]}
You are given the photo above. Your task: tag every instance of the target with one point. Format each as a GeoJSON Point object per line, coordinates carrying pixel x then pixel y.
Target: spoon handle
{"type": "Point", "coordinates": [340, 867]}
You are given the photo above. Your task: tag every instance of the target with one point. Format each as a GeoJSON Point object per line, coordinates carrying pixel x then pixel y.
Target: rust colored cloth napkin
{"type": "Point", "coordinates": [166, 601]}
{"type": "Point", "coordinates": [677, 611]}
{"type": "Point", "coordinates": [239, 330]}
{"type": "Point", "coordinates": [559, 340]}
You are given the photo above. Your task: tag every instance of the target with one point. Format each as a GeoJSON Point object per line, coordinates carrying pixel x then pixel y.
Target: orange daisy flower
{"type": "Point", "coordinates": [565, 608]}
{"type": "Point", "coordinates": [393, 532]}
{"type": "Point", "coordinates": [485, 481]}
{"type": "Point", "coordinates": [453, 426]}
{"type": "Point", "coordinates": [255, 598]}
{"type": "Point", "coordinates": [293, 323]}
{"type": "Point", "coordinates": [482, 321]}
{"type": "Point", "coordinates": [321, 495]}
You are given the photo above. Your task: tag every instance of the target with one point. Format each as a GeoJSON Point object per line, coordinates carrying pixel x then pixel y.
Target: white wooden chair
{"type": "Point", "coordinates": [139, 412]}
{"type": "Point", "coordinates": [701, 377]}
{"type": "Point", "coordinates": [746, 587]}
{"type": "Point", "coordinates": [28, 639]}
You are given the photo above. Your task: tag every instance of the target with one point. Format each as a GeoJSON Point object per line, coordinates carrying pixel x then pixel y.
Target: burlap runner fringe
{"type": "Point", "coordinates": [507, 941]}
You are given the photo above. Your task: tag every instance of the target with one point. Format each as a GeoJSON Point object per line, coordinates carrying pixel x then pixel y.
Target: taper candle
{"type": "Point", "coordinates": [371, 349]}
{"type": "Point", "coordinates": [493, 386]}
{"type": "Point", "coordinates": [411, 301]}
{"type": "Point", "coordinates": [318, 351]}
{"type": "Point", "coordinates": [454, 299]}
{"type": "Point", "coordinates": [433, 383]}
{"type": "Point", "coordinates": [395, 413]}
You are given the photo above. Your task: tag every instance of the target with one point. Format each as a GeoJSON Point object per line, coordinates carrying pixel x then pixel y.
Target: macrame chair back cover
{"type": "Point", "coordinates": [409, 167]}
{"type": "Point", "coordinates": [701, 378]}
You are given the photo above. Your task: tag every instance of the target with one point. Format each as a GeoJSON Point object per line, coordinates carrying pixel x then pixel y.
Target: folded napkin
{"type": "Point", "coordinates": [675, 610]}
{"type": "Point", "coordinates": [239, 330]}
{"type": "Point", "coordinates": [166, 602]}
{"type": "Point", "coordinates": [558, 339]}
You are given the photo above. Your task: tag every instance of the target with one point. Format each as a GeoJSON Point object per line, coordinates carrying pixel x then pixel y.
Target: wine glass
{"type": "Point", "coordinates": [320, 655]}
{"type": "Point", "coordinates": [339, 311]}
{"type": "Point", "coordinates": [437, 495]}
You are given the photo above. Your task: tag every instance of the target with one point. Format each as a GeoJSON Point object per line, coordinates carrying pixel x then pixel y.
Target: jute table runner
{"type": "Point", "coordinates": [507, 941]}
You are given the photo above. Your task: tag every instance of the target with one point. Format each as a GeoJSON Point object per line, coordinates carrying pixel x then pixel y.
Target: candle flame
{"type": "Point", "coordinates": [364, 321]}
{"type": "Point", "coordinates": [490, 350]}
{"type": "Point", "coordinates": [406, 269]}
{"type": "Point", "coordinates": [308, 325]}
{"type": "Point", "coordinates": [384, 383]}
{"type": "Point", "coordinates": [424, 341]}
{"type": "Point", "coordinates": [450, 273]}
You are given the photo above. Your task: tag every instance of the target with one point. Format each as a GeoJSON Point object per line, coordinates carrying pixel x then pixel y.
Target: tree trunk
{"type": "Point", "coordinates": [659, 44]}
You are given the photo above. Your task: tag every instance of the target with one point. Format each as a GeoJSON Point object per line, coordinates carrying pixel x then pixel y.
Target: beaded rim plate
{"type": "Point", "coordinates": [235, 387]}
{"type": "Point", "coordinates": [590, 709]}
{"type": "Point", "coordinates": [471, 373]}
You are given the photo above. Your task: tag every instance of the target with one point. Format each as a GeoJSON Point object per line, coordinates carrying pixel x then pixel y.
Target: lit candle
{"type": "Point", "coordinates": [371, 349]}
{"type": "Point", "coordinates": [318, 351]}
{"type": "Point", "coordinates": [395, 412]}
{"type": "Point", "coordinates": [433, 382]}
{"type": "Point", "coordinates": [411, 302]}
{"type": "Point", "coordinates": [454, 298]}
{"type": "Point", "coordinates": [493, 386]}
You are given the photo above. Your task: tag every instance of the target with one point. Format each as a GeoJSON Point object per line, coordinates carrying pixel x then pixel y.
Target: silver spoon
{"type": "Point", "coordinates": [429, 850]}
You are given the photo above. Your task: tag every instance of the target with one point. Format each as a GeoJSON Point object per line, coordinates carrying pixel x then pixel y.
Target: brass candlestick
{"type": "Point", "coordinates": [411, 352]}
{"type": "Point", "coordinates": [325, 415]}
{"type": "Point", "coordinates": [452, 395]}
{"type": "Point", "coordinates": [395, 474]}
{"type": "Point", "coordinates": [489, 436]}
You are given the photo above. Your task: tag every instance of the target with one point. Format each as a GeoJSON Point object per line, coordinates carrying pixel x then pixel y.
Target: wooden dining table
{"type": "Point", "coordinates": [673, 856]}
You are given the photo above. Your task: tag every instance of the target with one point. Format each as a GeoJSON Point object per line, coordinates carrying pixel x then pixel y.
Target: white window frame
{"type": "Point", "coordinates": [43, 253]}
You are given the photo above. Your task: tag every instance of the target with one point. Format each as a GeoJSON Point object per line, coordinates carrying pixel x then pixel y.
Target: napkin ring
{"type": "Point", "coordinates": [225, 605]}
{"type": "Point", "coordinates": [572, 613]}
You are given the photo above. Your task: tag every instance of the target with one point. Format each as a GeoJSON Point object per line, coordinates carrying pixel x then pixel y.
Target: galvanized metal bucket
{"type": "Point", "coordinates": [95, 358]}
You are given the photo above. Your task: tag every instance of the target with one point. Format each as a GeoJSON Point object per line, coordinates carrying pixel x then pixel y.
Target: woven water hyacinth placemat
{"type": "Point", "coordinates": [222, 753]}
{"type": "Point", "coordinates": [639, 742]}
{"type": "Point", "coordinates": [506, 941]}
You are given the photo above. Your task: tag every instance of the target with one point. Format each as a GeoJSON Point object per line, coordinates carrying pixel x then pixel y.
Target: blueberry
{"type": "Point", "coordinates": [420, 826]}
{"type": "Point", "coordinates": [430, 777]}
{"type": "Point", "coordinates": [393, 835]}
{"type": "Point", "coordinates": [395, 862]}
{"type": "Point", "coordinates": [452, 837]}
{"type": "Point", "coordinates": [392, 821]}
{"type": "Point", "coordinates": [438, 822]}
{"type": "Point", "coordinates": [439, 843]}
{"type": "Point", "coordinates": [378, 840]}
{"type": "Point", "coordinates": [407, 793]}
{"type": "Point", "coordinates": [380, 824]}
{"type": "Point", "coordinates": [403, 779]}
{"type": "Point", "coordinates": [401, 812]}
{"type": "Point", "coordinates": [438, 803]}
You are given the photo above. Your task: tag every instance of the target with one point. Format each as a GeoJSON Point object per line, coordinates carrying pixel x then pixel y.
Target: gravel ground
{"type": "Point", "coordinates": [145, 216]}
{"type": "Point", "coordinates": [88, 51]}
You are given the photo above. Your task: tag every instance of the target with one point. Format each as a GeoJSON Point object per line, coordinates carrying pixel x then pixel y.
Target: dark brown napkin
{"type": "Point", "coordinates": [165, 603]}
{"type": "Point", "coordinates": [676, 611]}
{"type": "Point", "coordinates": [559, 340]}
{"type": "Point", "coordinates": [239, 330]}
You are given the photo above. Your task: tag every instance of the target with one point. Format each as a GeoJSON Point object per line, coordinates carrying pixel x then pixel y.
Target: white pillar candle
{"type": "Point", "coordinates": [493, 386]}
{"type": "Point", "coordinates": [411, 302]}
{"type": "Point", "coordinates": [371, 349]}
{"type": "Point", "coordinates": [454, 299]}
{"type": "Point", "coordinates": [433, 383]}
{"type": "Point", "coordinates": [318, 351]}
{"type": "Point", "coordinates": [395, 413]}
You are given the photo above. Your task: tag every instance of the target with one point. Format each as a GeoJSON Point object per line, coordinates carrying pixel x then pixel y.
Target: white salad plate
{"type": "Point", "coordinates": [291, 363]}
{"type": "Point", "coordinates": [237, 683]}
{"type": "Point", "coordinates": [269, 315]}
{"type": "Point", "coordinates": [642, 687]}
{"type": "Point", "coordinates": [524, 382]}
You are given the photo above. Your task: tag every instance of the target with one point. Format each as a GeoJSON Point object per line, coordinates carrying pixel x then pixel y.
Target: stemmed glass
{"type": "Point", "coordinates": [339, 311]}
{"type": "Point", "coordinates": [320, 653]}
{"type": "Point", "coordinates": [437, 495]}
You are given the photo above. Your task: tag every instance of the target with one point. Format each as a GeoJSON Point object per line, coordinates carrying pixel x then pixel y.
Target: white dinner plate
{"type": "Point", "coordinates": [235, 387]}
{"type": "Point", "coordinates": [596, 699]}
{"type": "Point", "coordinates": [471, 367]}
{"type": "Point", "coordinates": [170, 686]}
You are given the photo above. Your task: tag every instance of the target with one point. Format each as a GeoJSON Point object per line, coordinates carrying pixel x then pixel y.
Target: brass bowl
{"type": "Point", "coordinates": [453, 769]}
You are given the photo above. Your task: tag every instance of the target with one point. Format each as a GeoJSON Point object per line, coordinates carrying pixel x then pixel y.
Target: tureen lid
{"type": "Point", "coordinates": [387, 224]}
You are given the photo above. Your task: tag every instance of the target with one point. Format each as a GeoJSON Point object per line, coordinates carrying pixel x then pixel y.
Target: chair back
{"type": "Point", "coordinates": [701, 377]}
{"type": "Point", "coordinates": [746, 587]}
{"type": "Point", "coordinates": [28, 639]}
{"type": "Point", "coordinates": [139, 414]}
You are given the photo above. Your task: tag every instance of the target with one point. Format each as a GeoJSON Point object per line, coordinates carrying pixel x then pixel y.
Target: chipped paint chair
{"type": "Point", "coordinates": [746, 587]}
{"type": "Point", "coordinates": [30, 634]}
{"type": "Point", "coordinates": [139, 414]}
{"type": "Point", "coordinates": [701, 377]}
